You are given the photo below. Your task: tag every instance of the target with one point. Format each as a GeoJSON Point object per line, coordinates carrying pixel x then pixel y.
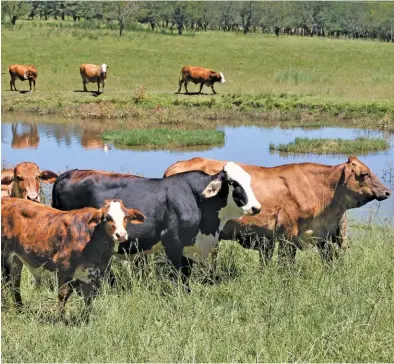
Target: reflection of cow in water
{"type": "Point", "coordinates": [92, 140]}
{"type": "Point", "coordinates": [25, 140]}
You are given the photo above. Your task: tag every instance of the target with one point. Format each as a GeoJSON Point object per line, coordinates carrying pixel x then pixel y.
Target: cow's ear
{"type": "Point", "coordinates": [7, 180]}
{"type": "Point", "coordinates": [212, 189]}
{"type": "Point", "coordinates": [135, 216]}
{"type": "Point", "coordinates": [95, 218]}
{"type": "Point", "coordinates": [48, 176]}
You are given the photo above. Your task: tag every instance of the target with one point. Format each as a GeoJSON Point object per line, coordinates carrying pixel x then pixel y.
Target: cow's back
{"type": "Point", "coordinates": [89, 71]}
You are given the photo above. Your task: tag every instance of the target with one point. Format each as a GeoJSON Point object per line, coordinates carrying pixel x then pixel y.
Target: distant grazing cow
{"type": "Point", "coordinates": [203, 76]}
{"type": "Point", "coordinates": [183, 212]}
{"type": "Point", "coordinates": [302, 202]}
{"type": "Point", "coordinates": [24, 182]}
{"type": "Point", "coordinates": [93, 73]}
{"type": "Point", "coordinates": [21, 72]}
{"type": "Point", "coordinates": [77, 245]}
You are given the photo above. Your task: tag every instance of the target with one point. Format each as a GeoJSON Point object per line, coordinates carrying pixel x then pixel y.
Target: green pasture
{"type": "Point", "coordinates": [307, 313]}
{"type": "Point", "coordinates": [263, 72]}
{"type": "Point", "coordinates": [161, 138]}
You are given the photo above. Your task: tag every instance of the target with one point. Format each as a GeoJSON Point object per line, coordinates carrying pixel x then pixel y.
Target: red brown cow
{"type": "Point", "coordinates": [203, 76]}
{"type": "Point", "coordinates": [21, 72]}
{"type": "Point", "coordinates": [93, 73]}
{"type": "Point", "coordinates": [24, 182]}
{"type": "Point", "coordinates": [77, 244]}
{"type": "Point", "coordinates": [301, 203]}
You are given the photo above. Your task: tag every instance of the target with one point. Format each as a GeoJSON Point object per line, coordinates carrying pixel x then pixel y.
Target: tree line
{"type": "Point", "coordinates": [328, 19]}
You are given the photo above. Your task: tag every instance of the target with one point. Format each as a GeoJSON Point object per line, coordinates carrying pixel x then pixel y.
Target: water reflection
{"type": "Point", "coordinates": [22, 138]}
{"type": "Point", "coordinates": [66, 146]}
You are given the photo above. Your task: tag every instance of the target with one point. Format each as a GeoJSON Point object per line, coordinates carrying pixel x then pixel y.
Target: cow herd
{"type": "Point", "coordinates": [91, 73]}
{"type": "Point", "coordinates": [197, 203]}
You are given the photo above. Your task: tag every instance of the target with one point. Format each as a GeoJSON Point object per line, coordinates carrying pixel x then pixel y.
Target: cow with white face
{"type": "Point", "coordinates": [93, 73]}
{"type": "Point", "coordinates": [179, 209]}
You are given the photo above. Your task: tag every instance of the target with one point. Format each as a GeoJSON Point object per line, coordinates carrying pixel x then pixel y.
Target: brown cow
{"type": "Point", "coordinates": [77, 244]}
{"type": "Point", "coordinates": [24, 182]}
{"type": "Point", "coordinates": [93, 73]}
{"type": "Point", "coordinates": [301, 203]}
{"type": "Point", "coordinates": [25, 140]}
{"type": "Point", "coordinates": [21, 72]}
{"type": "Point", "coordinates": [203, 76]}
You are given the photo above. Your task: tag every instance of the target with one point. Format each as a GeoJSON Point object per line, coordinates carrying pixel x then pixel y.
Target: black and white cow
{"type": "Point", "coordinates": [184, 212]}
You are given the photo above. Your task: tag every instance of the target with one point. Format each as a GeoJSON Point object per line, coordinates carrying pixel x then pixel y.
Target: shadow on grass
{"type": "Point", "coordinates": [93, 93]}
{"type": "Point", "coordinates": [193, 93]}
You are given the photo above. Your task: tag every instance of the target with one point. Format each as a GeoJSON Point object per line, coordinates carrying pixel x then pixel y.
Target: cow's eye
{"type": "Point", "coordinates": [108, 218]}
{"type": "Point", "coordinates": [365, 175]}
{"type": "Point", "coordinates": [18, 178]}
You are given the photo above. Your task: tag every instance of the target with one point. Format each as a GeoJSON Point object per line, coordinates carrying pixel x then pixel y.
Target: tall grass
{"type": "Point", "coordinates": [322, 145]}
{"type": "Point", "coordinates": [308, 313]}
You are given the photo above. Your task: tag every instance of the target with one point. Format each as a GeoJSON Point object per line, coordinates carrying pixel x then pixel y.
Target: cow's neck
{"type": "Point", "coordinates": [230, 211]}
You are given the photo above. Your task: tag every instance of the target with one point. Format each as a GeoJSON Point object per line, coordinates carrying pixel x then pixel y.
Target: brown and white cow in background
{"type": "Point", "coordinates": [93, 73]}
{"type": "Point", "coordinates": [203, 76]}
{"type": "Point", "coordinates": [301, 203]}
{"type": "Point", "coordinates": [77, 245]}
{"type": "Point", "coordinates": [22, 73]}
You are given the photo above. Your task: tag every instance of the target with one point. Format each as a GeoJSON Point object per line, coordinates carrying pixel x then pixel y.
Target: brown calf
{"type": "Point", "coordinates": [22, 72]}
{"type": "Point", "coordinates": [302, 202]}
{"type": "Point", "coordinates": [203, 76]}
{"type": "Point", "coordinates": [24, 182]}
{"type": "Point", "coordinates": [77, 244]}
{"type": "Point", "coordinates": [93, 73]}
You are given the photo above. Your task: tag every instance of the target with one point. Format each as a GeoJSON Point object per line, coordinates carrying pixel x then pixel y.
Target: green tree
{"type": "Point", "coordinates": [14, 10]}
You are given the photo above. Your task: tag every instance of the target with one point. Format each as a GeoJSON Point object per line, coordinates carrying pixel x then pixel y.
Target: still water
{"type": "Point", "coordinates": [65, 146]}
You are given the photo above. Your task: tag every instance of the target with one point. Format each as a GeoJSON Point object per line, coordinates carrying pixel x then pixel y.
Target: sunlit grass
{"type": "Point", "coordinates": [305, 314]}
{"type": "Point", "coordinates": [321, 145]}
{"type": "Point", "coordinates": [160, 138]}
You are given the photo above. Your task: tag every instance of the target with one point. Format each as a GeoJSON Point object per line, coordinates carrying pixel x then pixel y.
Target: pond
{"type": "Point", "coordinates": [60, 146]}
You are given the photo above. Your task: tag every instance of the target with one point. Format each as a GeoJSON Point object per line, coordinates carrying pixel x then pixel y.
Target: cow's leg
{"type": "Point", "coordinates": [89, 292]}
{"type": "Point", "coordinates": [186, 87]}
{"type": "Point", "coordinates": [98, 86]}
{"type": "Point", "coordinates": [201, 85]}
{"type": "Point", "coordinates": [34, 84]}
{"type": "Point", "coordinates": [11, 84]}
{"type": "Point", "coordinates": [266, 248]}
{"type": "Point", "coordinates": [103, 84]}
{"type": "Point", "coordinates": [286, 251]}
{"type": "Point", "coordinates": [16, 266]}
{"type": "Point", "coordinates": [64, 292]}
{"type": "Point", "coordinates": [174, 250]}
{"type": "Point", "coordinates": [327, 251]}
{"type": "Point", "coordinates": [84, 85]}
{"type": "Point", "coordinates": [30, 84]}
{"type": "Point", "coordinates": [180, 86]}
{"type": "Point", "coordinates": [213, 90]}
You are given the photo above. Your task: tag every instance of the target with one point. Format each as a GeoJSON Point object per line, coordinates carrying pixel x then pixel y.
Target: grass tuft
{"type": "Point", "coordinates": [321, 146]}
{"type": "Point", "coordinates": [161, 137]}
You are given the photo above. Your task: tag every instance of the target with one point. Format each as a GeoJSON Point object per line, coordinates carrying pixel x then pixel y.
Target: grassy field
{"type": "Point", "coordinates": [321, 145]}
{"type": "Point", "coordinates": [285, 76]}
{"type": "Point", "coordinates": [308, 313]}
{"type": "Point", "coordinates": [160, 138]}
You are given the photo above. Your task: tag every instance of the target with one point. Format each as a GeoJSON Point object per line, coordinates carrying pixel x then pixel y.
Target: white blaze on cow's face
{"type": "Point", "coordinates": [222, 80]}
{"type": "Point", "coordinates": [104, 69]}
{"type": "Point", "coordinates": [25, 76]}
{"type": "Point", "coordinates": [117, 217]}
{"type": "Point", "coordinates": [240, 187]}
